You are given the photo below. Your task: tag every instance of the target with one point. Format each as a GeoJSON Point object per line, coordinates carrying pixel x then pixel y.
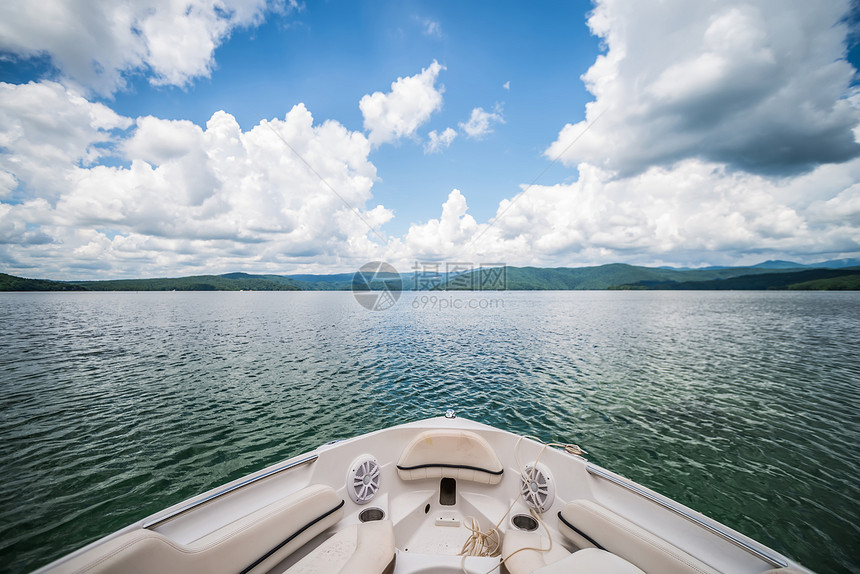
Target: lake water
{"type": "Point", "coordinates": [742, 405]}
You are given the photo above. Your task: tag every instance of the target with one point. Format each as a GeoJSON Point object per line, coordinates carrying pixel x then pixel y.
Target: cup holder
{"type": "Point", "coordinates": [524, 522]}
{"type": "Point", "coordinates": [371, 514]}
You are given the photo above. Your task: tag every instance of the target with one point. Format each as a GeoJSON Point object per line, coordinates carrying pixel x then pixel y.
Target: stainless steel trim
{"type": "Point", "coordinates": [770, 559]}
{"type": "Point", "coordinates": [182, 510]}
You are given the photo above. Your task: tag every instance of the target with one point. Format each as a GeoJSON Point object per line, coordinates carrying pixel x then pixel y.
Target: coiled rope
{"type": "Point", "coordinates": [488, 544]}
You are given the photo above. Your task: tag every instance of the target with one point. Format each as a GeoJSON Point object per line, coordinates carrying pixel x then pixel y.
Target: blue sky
{"type": "Point", "coordinates": [151, 139]}
{"type": "Point", "coordinates": [329, 55]}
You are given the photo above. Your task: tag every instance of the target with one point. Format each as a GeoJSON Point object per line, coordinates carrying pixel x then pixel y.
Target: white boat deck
{"type": "Point", "coordinates": [434, 477]}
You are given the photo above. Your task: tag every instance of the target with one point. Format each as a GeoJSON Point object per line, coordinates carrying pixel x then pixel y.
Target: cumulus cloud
{"type": "Point", "coordinates": [760, 87]}
{"type": "Point", "coordinates": [481, 122]}
{"type": "Point", "coordinates": [696, 213]}
{"type": "Point", "coordinates": [742, 149]}
{"type": "Point", "coordinates": [733, 153]}
{"type": "Point", "coordinates": [438, 238]}
{"type": "Point", "coordinates": [97, 44]}
{"type": "Point", "coordinates": [437, 142]}
{"type": "Point", "coordinates": [409, 104]}
{"type": "Point", "coordinates": [191, 199]}
{"type": "Point", "coordinates": [45, 129]}
{"type": "Point", "coordinates": [204, 199]}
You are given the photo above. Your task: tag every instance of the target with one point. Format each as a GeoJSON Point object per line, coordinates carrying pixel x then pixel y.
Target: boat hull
{"type": "Point", "coordinates": [433, 483]}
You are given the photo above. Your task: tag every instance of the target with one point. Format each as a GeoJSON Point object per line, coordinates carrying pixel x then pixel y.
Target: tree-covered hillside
{"type": "Point", "coordinates": [228, 282]}
{"type": "Point", "coordinates": [12, 283]}
{"type": "Point", "coordinates": [612, 276]}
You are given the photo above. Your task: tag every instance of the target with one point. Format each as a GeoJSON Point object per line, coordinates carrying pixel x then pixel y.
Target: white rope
{"type": "Point", "coordinates": [488, 544]}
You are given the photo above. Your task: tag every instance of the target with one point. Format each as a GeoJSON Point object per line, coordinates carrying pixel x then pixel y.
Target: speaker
{"type": "Point", "coordinates": [362, 480]}
{"type": "Point", "coordinates": [538, 487]}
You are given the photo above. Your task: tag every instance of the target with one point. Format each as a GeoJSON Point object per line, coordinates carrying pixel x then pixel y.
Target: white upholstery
{"type": "Point", "coordinates": [627, 540]}
{"type": "Point", "coordinates": [450, 453]}
{"type": "Point", "coordinates": [359, 549]}
{"type": "Point", "coordinates": [520, 561]}
{"type": "Point", "coordinates": [590, 561]}
{"type": "Point", "coordinates": [234, 548]}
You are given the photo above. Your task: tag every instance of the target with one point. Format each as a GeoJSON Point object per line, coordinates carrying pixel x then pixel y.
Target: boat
{"type": "Point", "coordinates": [437, 496]}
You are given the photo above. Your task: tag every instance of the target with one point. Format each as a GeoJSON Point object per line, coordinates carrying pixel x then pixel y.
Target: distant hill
{"type": "Point", "coordinates": [344, 281]}
{"type": "Point", "coordinates": [778, 264]}
{"type": "Point", "coordinates": [839, 283]}
{"type": "Point", "coordinates": [821, 279]}
{"type": "Point", "coordinates": [833, 264]}
{"type": "Point", "coordinates": [837, 264]}
{"type": "Point", "coordinates": [767, 275]}
{"type": "Point", "coordinates": [228, 282]}
{"type": "Point", "coordinates": [333, 278]}
{"type": "Point", "coordinates": [609, 276]}
{"type": "Point", "coordinates": [12, 283]}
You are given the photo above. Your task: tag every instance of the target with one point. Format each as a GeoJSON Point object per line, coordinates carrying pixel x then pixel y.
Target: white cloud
{"type": "Point", "coordinates": [409, 104]}
{"type": "Point", "coordinates": [507, 85]}
{"type": "Point", "coordinates": [481, 122]}
{"type": "Point", "coordinates": [203, 200]}
{"type": "Point", "coordinates": [45, 129]}
{"type": "Point", "coordinates": [757, 86]}
{"type": "Point", "coordinates": [678, 171]}
{"type": "Point", "coordinates": [217, 199]}
{"type": "Point", "coordinates": [97, 44]}
{"type": "Point", "coordinates": [439, 238]}
{"type": "Point", "coordinates": [438, 142]}
{"type": "Point", "coordinates": [696, 213]}
{"type": "Point", "coordinates": [432, 28]}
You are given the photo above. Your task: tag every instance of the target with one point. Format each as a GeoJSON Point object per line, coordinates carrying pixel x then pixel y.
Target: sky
{"type": "Point", "coordinates": [159, 138]}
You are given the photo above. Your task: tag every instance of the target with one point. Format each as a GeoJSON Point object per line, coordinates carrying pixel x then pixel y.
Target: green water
{"type": "Point", "coordinates": [742, 405]}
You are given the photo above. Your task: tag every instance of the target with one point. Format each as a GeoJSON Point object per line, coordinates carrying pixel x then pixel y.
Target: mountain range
{"type": "Point", "coordinates": [843, 274]}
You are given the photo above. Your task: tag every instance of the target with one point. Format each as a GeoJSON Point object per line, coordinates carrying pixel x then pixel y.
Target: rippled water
{"type": "Point", "coordinates": [743, 405]}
